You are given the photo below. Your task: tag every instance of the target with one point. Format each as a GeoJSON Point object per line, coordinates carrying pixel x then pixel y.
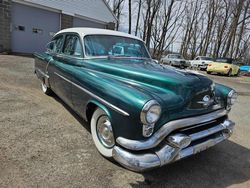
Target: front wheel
{"type": "Point", "coordinates": [102, 133]}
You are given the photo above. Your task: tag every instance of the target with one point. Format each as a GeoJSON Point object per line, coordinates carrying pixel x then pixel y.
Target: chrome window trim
{"type": "Point", "coordinates": [166, 129]}
{"type": "Point", "coordinates": [95, 96]}
{"type": "Point", "coordinates": [93, 57]}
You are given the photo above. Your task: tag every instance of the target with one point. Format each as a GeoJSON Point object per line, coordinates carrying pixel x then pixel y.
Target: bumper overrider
{"type": "Point", "coordinates": [173, 141]}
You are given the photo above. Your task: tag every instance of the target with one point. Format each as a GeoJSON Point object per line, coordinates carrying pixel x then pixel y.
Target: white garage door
{"type": "Point", "coordinates": [77, 22]}
{"type": "Point", "coordinates": [32, 28]}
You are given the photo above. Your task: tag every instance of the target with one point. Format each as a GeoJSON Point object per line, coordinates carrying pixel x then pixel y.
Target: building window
{"type": "Point", "coordinates": [37, 31]}
{"type": "Point", "coordinates": [19, 28]}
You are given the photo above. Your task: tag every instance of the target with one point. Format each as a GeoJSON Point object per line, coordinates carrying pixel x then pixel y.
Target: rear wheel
{"type": "Point", "coordinates": [238, 73]}
{"type": "Point", "coordinates": [46, 90]}
{"type": "Point", "coordinates": [102, 133]}
{"type": "Point", "coordinates": [229, 73]}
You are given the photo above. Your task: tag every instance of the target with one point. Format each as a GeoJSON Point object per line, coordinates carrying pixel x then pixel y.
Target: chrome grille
{"type": "Point", "coordinates": [202, 132]}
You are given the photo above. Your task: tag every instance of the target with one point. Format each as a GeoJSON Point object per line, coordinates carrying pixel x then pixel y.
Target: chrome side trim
{"type": "Point", "coordinates": [95, 96]}
{"type": "Point", "coordinates": [159, 135]}
{"type": "Point", "coordinates": [43, 73]}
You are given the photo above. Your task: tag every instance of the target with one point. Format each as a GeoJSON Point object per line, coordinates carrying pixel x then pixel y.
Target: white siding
{"type": "Point", "coordinates": [78, 22]}
{"type": "Point", "coordinates": [93, 9]}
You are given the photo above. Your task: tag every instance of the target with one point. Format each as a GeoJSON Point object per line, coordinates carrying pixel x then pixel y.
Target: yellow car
{"type": "Point", "coordinates": [226, 66]}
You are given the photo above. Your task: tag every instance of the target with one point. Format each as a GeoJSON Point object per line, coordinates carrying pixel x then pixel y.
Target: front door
{"type": "Point", "coordinates": [63, 65]}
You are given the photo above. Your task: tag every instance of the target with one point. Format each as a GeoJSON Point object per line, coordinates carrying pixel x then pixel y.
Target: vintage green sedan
{"type": "Point", "coordinates": [141, 113]}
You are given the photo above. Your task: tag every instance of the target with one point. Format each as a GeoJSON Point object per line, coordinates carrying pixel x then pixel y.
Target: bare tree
{"type": "Point", "coordinates": [138, 17]}
{"type": "Point", "coordinates": [212, 11]}
{"type": "Point", "coordinates": [205, 27]}
{"type": "Point", "coordinates": [129, 16]}
{"type": "Point", "coordinates": [223, 15]}
{"type": "Point", "coordinates": [152, 8]}
{"type": "Point", "coordinates": [242, 28]}
{"type": "Point", "coordinates": [234, 24]}
{"type": "Point", "coordinates": [191, 17]}
{"type": "Point", "coordinates": [116, 6]}
{"type": "Point", "coordinates": [167, 27]}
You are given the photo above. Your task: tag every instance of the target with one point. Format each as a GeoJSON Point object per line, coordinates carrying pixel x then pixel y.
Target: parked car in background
{"type": "Point", "coordinates": [142, 114]}
{"type": "Point", "coordinates": [225, 66]}
{"type": "Point", "coordinates": [175, 60]}
{"type": "Point", "coordinates": [155, 60]}
{"type": "Point", "coordinates": [245, 70]}
{"type": "Point", "coordinates": [201, 62]}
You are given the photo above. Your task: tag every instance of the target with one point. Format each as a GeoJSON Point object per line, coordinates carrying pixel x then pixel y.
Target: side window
{"type": "Point", "coordinates": [58, 44]}
{"type": "Point", "coordinates": [72, 46]}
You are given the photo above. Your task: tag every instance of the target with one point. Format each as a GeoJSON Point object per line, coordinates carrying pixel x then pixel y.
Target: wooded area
{"type": "Point", "coordinates": [216, 28]}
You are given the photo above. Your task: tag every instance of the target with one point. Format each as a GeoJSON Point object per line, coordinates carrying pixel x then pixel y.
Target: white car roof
{"type": "Point", "coordinates": [83, 31]}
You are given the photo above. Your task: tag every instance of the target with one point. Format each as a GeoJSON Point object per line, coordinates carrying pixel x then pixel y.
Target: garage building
{"type": "Point", "coordinates": [26, 26]}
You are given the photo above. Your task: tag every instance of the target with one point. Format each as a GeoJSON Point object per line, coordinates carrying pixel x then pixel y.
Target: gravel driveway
{"type": "Point", "coordinates": [44, 144]}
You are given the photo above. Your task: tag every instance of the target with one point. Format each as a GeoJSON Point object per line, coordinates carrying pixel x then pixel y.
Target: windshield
{"type": "Point", "coordinates": [206, 58]}
{"type": "Point", "coordinates": [224, 60]}
{"type": "Point", "coordinates": [175, 56]}
{"type": "Point", "coordinates": [116, 46]}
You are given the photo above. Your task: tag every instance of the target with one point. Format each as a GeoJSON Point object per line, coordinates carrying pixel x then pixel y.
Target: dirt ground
{"type": "Point", "coordinates": [44, 144]}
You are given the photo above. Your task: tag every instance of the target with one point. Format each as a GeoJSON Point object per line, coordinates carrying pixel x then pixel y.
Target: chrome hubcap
{"type": "Point", "coordinates": [105, 132]}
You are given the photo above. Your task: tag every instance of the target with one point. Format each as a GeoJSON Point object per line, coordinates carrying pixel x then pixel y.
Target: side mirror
{"type": "Point", "coordinates": [50, 46]}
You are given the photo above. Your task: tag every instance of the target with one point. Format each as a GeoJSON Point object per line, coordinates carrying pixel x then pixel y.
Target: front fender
{"type": "Point", "coordinates": [99, 105]}
{"type": "Point", "coordinates": [119, 94]}
{"type": "Point", "coordinates": [222, 91]}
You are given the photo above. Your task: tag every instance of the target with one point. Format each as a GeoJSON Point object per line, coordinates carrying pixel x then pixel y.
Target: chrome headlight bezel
{"type": "Point", "coordinates": [231, 98]}
{"type": "Point", "coordinates": [146, 110]}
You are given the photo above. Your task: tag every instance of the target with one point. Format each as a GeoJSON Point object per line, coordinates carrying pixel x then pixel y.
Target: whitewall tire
{"type": "Point", "coordinates": [102, 133]}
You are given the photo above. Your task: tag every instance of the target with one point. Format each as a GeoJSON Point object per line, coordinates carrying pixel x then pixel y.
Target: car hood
{"type": "Point", "coordinates": [149, 72]}
{"type": "Point", "coordinates": [167, 84]}
{"type": "Point", "coordinates": [179, 60]}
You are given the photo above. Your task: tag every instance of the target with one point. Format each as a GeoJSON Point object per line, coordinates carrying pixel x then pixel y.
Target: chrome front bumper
{"type": "Point", "coordinates": [165, 150]}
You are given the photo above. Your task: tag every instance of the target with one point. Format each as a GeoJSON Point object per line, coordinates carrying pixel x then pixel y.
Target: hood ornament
{"type": "Point", "coordinates": [206, 101]}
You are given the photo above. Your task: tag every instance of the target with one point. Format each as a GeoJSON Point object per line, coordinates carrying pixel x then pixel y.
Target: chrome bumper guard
{"type": "Point", "coordinates": [174, 147]}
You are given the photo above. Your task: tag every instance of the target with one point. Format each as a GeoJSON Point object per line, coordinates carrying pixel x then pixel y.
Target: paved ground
{"type": "Point", "coordinates": [44, 144]}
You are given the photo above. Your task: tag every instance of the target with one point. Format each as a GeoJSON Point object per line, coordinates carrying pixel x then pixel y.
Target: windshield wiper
{"type": "Point", "coordinates": [125, 57]}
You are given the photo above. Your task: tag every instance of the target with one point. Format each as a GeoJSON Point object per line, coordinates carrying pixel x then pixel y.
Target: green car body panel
{"type": "Point", "coordinates": [128, 84]}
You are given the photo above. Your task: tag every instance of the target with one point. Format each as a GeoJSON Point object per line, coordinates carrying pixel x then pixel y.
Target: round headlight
{"type": "Point", "coordinates": [151, 112]}
{"type": "Point", "coordinates": [231, 98]}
